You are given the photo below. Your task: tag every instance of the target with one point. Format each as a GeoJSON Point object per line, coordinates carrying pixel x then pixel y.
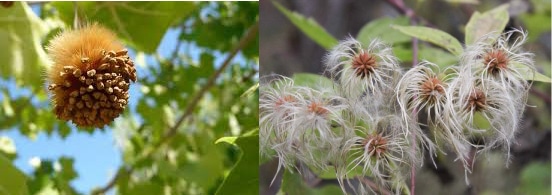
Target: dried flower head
{"type": "Point", "coordinates": [362, 70]}
{"type": "Point", "coordinates": [277, 104]}
{"type": "Point", "coordinates": [421, 89]}
{"type": "Point", "coordinates": [90, 76]}
{"type": "Point", "coordinates": [313, 121]}
{"type": "Point", "coordinates": [379, 151]}
{"type": "Point", "coordinates": [474, 96]}
{"type": "Point", "coordinates": [502, 60]}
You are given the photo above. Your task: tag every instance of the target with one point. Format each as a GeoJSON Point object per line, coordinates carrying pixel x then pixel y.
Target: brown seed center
{"type": "Point", "coordinates": [496, 60]}
{"type": "Point", "coordinates": [377, 145]}
{"type": "Point", "coordinates": [477, 100]}
{"type": "Point", "coordinates": [284, 100]}
{"type": "Point", "coordinates": [317, 108]}
{"type": "Point", "coordinates": [364, 64]}
{"type": "Point", "coordinates": [432, 86]}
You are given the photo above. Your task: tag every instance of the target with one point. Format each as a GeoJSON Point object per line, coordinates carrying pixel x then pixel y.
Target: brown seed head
{"type": "Point", "coordinates": [431, 88]}
{"type": "Point", "coordinates": [495, 61]}
{"type": "Point", "coordinates": [283, 100]}
{"type": "Point", "coordinates": [82, 58]}
{"type": "Point", "coordinates": [317, 108]}
{"type": "Point", "coordinates": [477, 100]}
{"type": "Point", "coordinates": [364, 64]}
{"type": "Point", "coordinates": [377, 145]}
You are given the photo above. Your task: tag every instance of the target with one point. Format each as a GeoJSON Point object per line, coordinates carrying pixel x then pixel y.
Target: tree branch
{"type": "Point", "coordinates": [403, 9]}
{"type": "Point", "coordinates": [248, 37]}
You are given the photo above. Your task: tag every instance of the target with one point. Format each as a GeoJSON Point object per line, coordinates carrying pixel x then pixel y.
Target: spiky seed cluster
{"type": "Point", "coordinates": [431, 89]}
{"type": "Point", "coordinates": [477, 100]}
{"type": "Point", "coordinates": [496, 60]}
{"type": "Point", "coordinates": [375, 145]}
{"type": "Point", "coordinates": [90, 77]}
{"type": "Point", "coordinates": [364, 64]}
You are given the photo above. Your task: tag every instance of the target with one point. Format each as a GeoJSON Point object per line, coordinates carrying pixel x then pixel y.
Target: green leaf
{"type": "Point", "coordinates": [528, 74]}
{"type": "Point", "coordinates": [481, 24]}
{"type": "Point", "coordinates": [435, 55]}
{"type": "Point", "coordinates": [68, 173]}
{"type": "Point", "coordinates": [146, 188]}
{"type": "Point", "coordinates": [535, 179]}
{"type": "Point", "coordinates": [244, 177]}
{"type": "Point", "coordinates": [437, 37]}
{"type": "Point", "coordinates": [381, 29]}
{"type": "Point", "coordinates": [536, 24]}
{"type": "Point", "coordinates": [293, 184]}
{"type": "Point", "coordinates": [229, 140]}
{"type": "Point", "coordinates": [12, 181]}
{"type": "Point", "coordinates": [22, 54]}
{"type": "Point", "coordinates": [140, 24]}
{"type": "Point", "coordinates": [310, 27]}
{"type": "Point", "coordinates": [250, 91]}
{"type": "Point", "coordinates": [481, 122]}
{"type": "Point", "coordinates": [312, 80]}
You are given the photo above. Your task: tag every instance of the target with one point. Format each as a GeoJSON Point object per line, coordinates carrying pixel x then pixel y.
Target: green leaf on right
{"type": "Point", "coordinates": [435, 36]}
{"type": "Point", "coordinates": [12, 181]}
{"type": "Point", "coordinates": [481, 24]}
{"type": "Point", "coordinates": [310, 27]}
{"type": "Point", "coordinates": [528, 74]}
{"type": "Point", "coordinates": [244, 177]}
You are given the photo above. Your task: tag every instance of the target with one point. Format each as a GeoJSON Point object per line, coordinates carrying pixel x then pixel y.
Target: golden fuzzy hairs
{"type": "Point", "coordinates": [90, 76]}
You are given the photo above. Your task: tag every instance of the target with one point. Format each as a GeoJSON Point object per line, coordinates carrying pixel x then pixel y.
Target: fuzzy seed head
{"type": "Point", "coordinates": [80, 58]}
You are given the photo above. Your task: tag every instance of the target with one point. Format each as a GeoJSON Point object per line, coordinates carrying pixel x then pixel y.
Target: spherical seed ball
{"type": "Point", "coordinates": [90, 76]}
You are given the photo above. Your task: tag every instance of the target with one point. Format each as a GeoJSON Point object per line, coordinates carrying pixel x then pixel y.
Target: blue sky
{"type": "Point", "coordinates": [96, 155]}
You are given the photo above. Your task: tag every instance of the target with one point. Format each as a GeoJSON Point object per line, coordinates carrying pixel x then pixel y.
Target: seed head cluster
{"type": "Point", "coordinates": [369, 118]}
{"type": "Point", "coordinates": [90, 76]}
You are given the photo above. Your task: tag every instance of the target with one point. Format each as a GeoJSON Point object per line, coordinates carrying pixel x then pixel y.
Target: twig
{"type": "Point", "coordinates": [413, 145]}
{"type": "Point", "coordinates": [403, 9]}
{"type": "Point", "coordinates": [112, 183]}
{"type": "Point", "coordinates": [374, 185]}
{"type": "Point", "coordinates": [249, 36]}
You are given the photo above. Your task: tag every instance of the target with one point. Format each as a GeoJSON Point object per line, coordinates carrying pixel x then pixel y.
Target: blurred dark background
{"type": "Point", "coordinates": [285, 50]}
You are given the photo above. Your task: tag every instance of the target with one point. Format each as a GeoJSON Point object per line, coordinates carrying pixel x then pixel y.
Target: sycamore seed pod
{"type": "Point", "coordinates": [86, 62]}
